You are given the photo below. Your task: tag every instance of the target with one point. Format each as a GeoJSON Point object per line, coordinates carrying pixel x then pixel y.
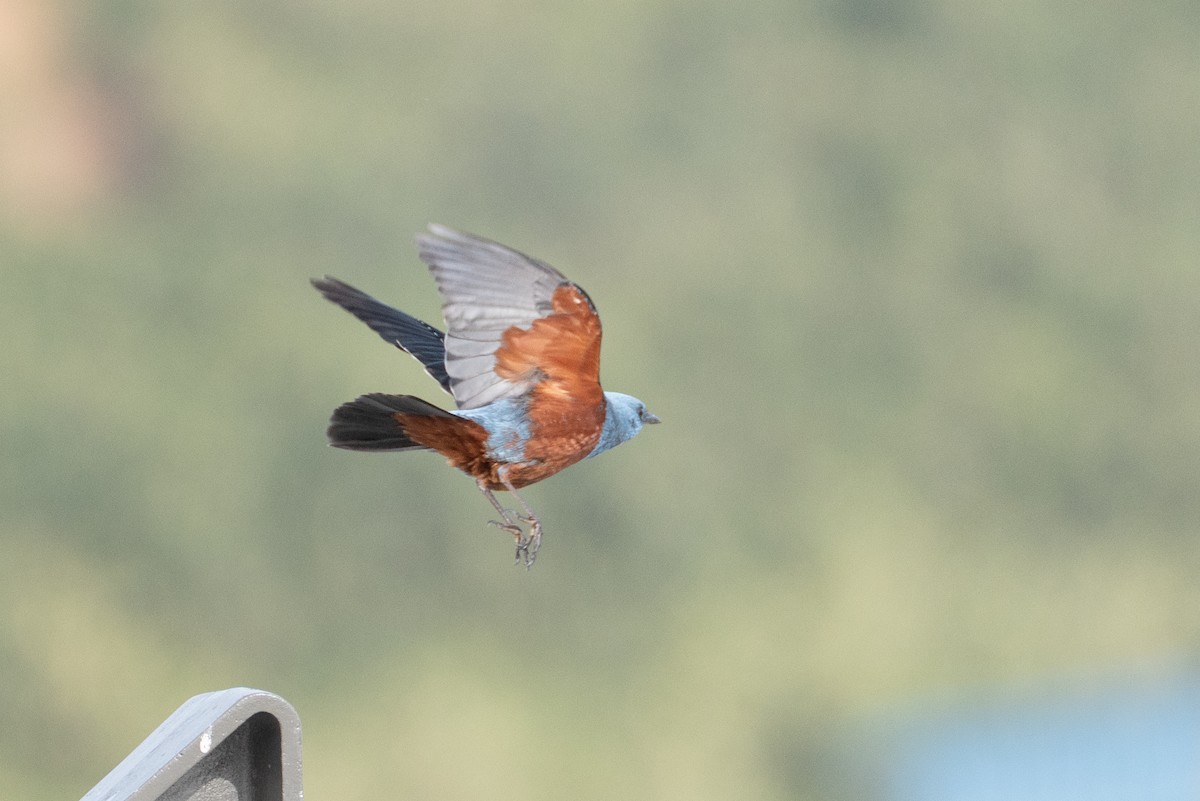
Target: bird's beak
{"type": "Point", "coordinates": [650, 418]}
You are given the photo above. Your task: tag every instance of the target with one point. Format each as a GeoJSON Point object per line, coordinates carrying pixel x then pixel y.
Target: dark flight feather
{"type": "Point", "coordinates": [413, 336]}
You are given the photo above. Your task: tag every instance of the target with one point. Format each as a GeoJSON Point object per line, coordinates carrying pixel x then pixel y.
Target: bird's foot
{"type": "Point", "coordinates": [528, 542]}
{"type": "Point", "coordinates": [509, 527]}
{"type": "Point", "coordinates": [527, 546]}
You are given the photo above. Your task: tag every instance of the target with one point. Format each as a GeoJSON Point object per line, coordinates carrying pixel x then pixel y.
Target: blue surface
{"type": "Point", "coordinates": [1112, 742]}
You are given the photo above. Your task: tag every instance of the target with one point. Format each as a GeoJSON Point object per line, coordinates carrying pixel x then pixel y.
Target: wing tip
{"type": "Point", "coordinates": [333, 288]}
{"type": "Point", "coordinates": [442, 241]}
{"type": "Point", "coordinates": [436, 233]}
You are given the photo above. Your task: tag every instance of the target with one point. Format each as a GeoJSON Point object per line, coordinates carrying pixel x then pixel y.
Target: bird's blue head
{"type": "Point", "coordinates": [624, 416]}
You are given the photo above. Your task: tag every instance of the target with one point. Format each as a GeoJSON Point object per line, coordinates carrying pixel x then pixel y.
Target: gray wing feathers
{"type": "Point", "coordinates": [486, 289]}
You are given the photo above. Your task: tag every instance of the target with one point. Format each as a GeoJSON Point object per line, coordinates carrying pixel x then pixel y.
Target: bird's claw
{"type": "Point", "coordinates": [509, 527]}
{"type": "Point", "coordinates": [528, 543]}
{"type": "Point", "coordinates": [527, 546]}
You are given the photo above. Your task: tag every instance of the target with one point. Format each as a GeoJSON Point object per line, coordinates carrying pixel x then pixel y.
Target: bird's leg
{"type": "Point", "coordinates": [509, 524]}
{"type": "Point", "coordinates": [527, 544]}
{"type": "Point", "coordinates": [527, 547]}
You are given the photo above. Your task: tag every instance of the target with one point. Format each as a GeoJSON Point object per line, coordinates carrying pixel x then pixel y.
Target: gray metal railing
{"type": "Point", "coordinates": [230, 745]}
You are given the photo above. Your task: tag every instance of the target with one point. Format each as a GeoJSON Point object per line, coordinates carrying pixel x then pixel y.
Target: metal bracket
{"type": "Point", "coordinates": [230, 745]}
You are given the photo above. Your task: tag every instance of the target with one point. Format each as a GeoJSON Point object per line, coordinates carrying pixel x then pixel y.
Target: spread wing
{"type": "Point", "coordinates": [515, 324]}
{"type": "Point", "coordinates": [404, 331]}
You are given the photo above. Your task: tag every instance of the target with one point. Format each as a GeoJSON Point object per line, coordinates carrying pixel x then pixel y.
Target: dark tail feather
{"type": "Point", "coordinates": [404, 331]}
{"type": "Point", "coordinates": [369, 422]}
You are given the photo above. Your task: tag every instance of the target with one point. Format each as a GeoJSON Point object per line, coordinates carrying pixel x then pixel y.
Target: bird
{"type": "Point", "coordinates": [521, 359]}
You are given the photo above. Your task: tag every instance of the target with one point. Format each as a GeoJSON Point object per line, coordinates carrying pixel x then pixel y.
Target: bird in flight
{"type": "Point", "coordinates": [520, 357]}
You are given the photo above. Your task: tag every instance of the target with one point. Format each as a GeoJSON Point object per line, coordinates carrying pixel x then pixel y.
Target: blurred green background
{"type": "Point", "coordinates": [912, 283]}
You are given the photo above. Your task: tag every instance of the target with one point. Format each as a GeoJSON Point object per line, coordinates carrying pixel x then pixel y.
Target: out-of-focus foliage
{"type": "Point", "coordinates": [913, 286]}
